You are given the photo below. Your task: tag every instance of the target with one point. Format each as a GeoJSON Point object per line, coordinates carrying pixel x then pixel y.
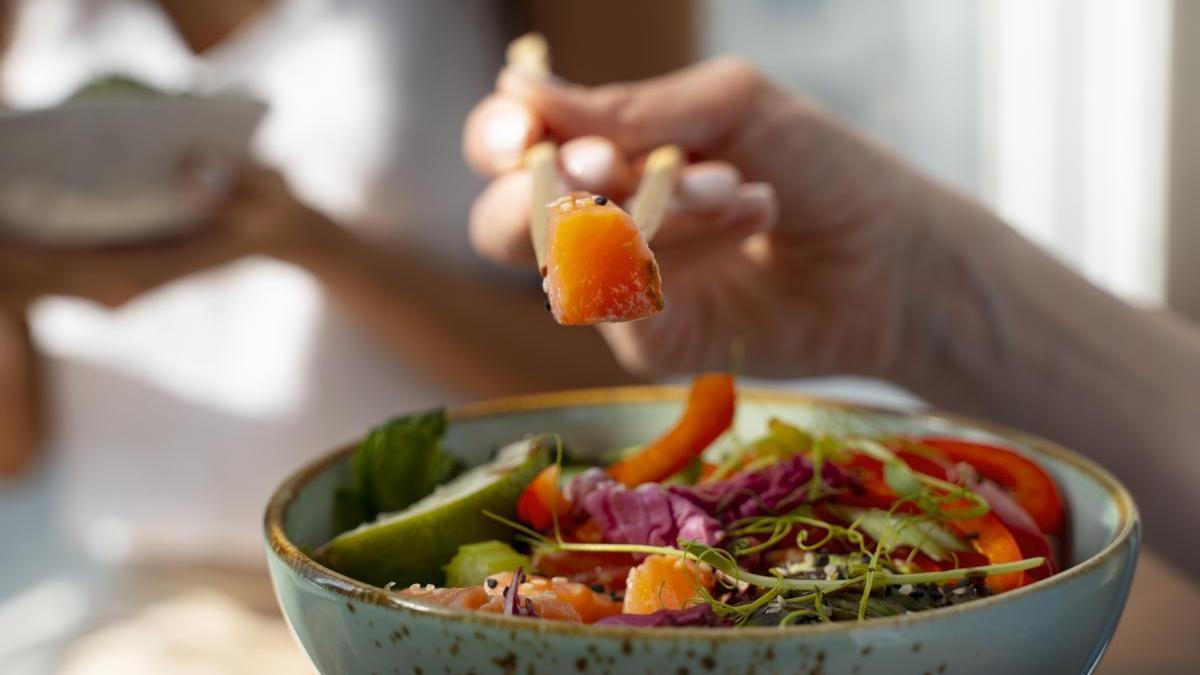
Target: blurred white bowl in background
{"type": "Point", "coordinates": [106, 171]}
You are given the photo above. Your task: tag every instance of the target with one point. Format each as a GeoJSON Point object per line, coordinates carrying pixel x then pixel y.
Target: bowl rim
{"type": "Point", "coordinates": [354, 590]}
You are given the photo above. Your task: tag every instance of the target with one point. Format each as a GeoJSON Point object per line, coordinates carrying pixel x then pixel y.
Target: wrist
{"type": "Point", "coordinates": [312, 242]}
{"type": "Point", "coordinates": [15, 302]}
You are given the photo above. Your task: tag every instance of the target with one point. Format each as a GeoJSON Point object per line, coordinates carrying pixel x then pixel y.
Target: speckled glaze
{"type": "Point", "coordinates": [1059, 625]}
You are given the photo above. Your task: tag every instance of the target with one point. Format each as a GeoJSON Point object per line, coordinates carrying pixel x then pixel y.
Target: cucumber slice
{"type": "Point", "coordinates": [412, 545]}
{"type": "Point", "coordinates": [474, 563]}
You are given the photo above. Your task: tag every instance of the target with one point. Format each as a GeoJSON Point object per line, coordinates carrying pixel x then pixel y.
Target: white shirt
{"type": "Point", "coordinates": [173, 417]}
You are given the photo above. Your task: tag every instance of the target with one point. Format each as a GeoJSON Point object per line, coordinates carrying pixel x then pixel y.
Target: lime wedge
{"type": "Point", "coordinates": [412, 545]}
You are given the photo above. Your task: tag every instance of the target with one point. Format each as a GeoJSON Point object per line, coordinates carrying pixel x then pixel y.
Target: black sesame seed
{"type": "Point", "coordinates": [491, 583]}
{"type": "Point", "coordinates": [547, 305]}
{"type": "Point", "coordinates": [601, 200]}
{"type": "Point", "coordinates": [598, 588]}
{"type": "Point", "coordinates": [822, 560]}
{"type": "Point", "coordinates": [970, 535]}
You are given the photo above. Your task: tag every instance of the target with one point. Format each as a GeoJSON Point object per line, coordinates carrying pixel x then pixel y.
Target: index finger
{"type": "Point", "coordinates": [695, 108]}
{"type": "Point", "coordinates": [497, 133]}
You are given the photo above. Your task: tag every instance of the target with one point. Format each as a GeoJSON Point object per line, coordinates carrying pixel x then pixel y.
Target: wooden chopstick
{"type": "Point", "coordinates": [531, 54]}
{"type": "Point", "coordinates": [542, 162]}
{"type": "Point", "coordinates": [658, 181]}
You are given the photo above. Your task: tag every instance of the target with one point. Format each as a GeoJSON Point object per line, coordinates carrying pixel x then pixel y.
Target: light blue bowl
{"type": "Point", "coordinates": [1058, 625]}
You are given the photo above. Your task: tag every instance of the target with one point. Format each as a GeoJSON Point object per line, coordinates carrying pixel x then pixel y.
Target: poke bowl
{"type": "Point", "coordinates": [1055, 620]}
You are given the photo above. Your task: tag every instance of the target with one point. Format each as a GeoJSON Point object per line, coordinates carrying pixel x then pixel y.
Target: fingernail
{"type": "Point", "coordinates": [590, 162]}
{"type": "Point", "coordinates": [506, 131]}
{"type": "Point", "coordinates": [757, 198]}
{"type": "Point", "coordinates": [708, 187]}
{"type": "Point", "coordinates": [759, 195]}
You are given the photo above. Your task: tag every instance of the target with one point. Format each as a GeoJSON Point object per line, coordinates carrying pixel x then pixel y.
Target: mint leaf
{"type": "Point", "coordinates": [398, 463]}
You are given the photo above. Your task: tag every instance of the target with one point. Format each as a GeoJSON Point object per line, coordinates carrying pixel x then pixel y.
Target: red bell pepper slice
{"type": "Point", "coordinates": [1031, 540]}
{"type": "Point", "coordinates": [709, 412]}
{"type": "Point", "coordinates": [1027, 482]}
{"type": "Point", "coordinates": [987, 534]}
{"type": "Point", "coordinates": [542, 500]}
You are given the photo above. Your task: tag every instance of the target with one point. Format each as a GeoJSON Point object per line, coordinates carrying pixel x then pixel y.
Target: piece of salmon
{"type": "Point", "coordinates": [588, 605]}
{"type": "Point", "coordinates": [598, 266]}
{"type": "Point", "coordinates": [665, 582]}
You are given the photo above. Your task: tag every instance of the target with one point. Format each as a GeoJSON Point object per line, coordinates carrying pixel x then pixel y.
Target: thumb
{"type": "Point", "coordinates": [696, 108]}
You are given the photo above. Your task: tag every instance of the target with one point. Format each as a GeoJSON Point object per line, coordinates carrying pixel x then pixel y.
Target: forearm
{"type": "Point", "coordinates": [20, 399]}
{"type": "Point", "coordinates": [478, 338]}
{"type": "Point", "coordinates": [1015, 336]}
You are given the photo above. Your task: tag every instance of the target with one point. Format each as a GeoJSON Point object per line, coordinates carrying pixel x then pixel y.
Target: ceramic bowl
{"type": "Point", "coordinates": [1058, 625]}
{"type": "Point", "coordinates": [106, 171]}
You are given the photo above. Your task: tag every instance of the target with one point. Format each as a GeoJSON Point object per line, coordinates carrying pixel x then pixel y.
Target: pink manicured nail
{"type": "Point", "coordinates": [707, 187]}
{"type": "Point", "coordinates": [758, 198]}
{"type": "Point", "coordinates": [591, 162]}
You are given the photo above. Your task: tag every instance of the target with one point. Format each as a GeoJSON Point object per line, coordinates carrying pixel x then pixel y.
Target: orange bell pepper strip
{"type": "Point", "coordinates": [709, 412]}
{"type": "Point", "coordinates": [990, 537]}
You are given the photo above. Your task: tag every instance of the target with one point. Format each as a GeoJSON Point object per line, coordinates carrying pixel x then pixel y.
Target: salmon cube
{"type": "Point", "coordinates": [598, 266]}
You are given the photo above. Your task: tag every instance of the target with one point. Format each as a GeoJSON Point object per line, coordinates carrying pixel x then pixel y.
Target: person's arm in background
{"type": "Point", "coordinates": [20, 399]}
{"type": "Point", "coordinates": [20, 396]}
{"type": "Point", "coordinates": [469, 335]}
{"type": "Point", "coordinates": [108, 277]}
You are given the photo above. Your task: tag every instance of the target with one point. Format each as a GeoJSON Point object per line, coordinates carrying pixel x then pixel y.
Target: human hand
{"type": "Point", "coordinates": [255, 214]}
{"type": "Point", "coordinates": [794, 233]}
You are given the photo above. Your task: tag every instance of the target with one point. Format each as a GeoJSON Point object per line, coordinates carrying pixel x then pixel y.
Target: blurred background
{"type": "Point", "coordinates": [130, 542]}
